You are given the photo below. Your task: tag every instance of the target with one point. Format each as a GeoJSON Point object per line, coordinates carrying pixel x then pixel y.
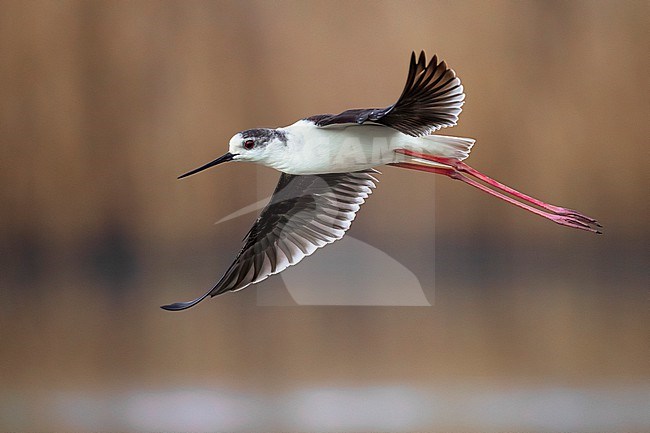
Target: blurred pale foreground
{"type": "Point", "coordinates": [390, 408]}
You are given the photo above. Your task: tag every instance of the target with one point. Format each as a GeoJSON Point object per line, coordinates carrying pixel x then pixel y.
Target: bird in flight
{"type": "Point", "coordinates": [327, 164]}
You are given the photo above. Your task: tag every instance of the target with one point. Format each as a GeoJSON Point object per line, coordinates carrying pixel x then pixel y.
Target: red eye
{"type": "Point", "coordinates": [249, 144]}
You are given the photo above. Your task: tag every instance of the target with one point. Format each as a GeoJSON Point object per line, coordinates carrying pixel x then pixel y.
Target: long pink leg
{"type": "Point", "coordinates": [462, 167]}
{"type": "Point", "coordinates": [565, 220]}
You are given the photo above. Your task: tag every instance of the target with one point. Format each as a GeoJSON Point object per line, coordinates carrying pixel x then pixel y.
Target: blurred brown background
{"type": "Point", "coordinates": [535, 327]}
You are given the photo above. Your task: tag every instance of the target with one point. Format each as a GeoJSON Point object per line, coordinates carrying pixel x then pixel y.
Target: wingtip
{"type": "Point", "coordinates": [423, 58]}
{"type": "Point", "coordinates": [413, 60]}
{"type": "Point", "coordinates": [177, 306]}
{"type": "Point", "coordinates": [180, 306]}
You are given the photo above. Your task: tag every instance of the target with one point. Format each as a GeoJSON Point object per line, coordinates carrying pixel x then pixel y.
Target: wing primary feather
{"type": "Point", "coordinates": [179, 306]}
{"type": "Point", "coordinates": [432, 99]}
{"type": "Point", "coordinates": [304, 213]}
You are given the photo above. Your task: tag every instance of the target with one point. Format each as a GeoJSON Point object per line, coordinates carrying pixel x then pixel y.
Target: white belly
{"type": "Point", "coordinates": [313, 150]}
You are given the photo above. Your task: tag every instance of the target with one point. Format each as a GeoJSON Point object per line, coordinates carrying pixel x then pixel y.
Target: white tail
{"type": "Point", "coordinates": [442, 146]}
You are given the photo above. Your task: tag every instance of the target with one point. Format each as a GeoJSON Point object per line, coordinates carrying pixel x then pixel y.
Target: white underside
{"type": "Point", "coordinates": [314, 150]}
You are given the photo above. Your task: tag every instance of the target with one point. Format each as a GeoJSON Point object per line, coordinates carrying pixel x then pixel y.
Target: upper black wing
{"type": "Point", "coordinates": [305, 213]}
{"type": "Point", "coordinates": [432, 99]}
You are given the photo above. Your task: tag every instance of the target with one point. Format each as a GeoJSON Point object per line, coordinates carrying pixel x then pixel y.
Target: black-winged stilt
{"type": "Point", "coordinates": [327, 164]}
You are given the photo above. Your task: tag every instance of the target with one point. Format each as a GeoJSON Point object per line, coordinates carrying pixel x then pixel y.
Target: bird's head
{"type": "Point", "coordinates": [253, 145]}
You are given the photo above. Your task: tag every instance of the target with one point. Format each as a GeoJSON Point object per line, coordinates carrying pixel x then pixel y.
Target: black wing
{"type": "Point", "coordinates": [432, 99]}
{"type": "Point", "coordinates": [305, 213]}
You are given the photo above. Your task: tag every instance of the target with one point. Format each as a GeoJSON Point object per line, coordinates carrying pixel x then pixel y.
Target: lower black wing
{"type": "Point", "coordinates": [432, 99]}
{"type": "Point", "coordinates": [305, 213]}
